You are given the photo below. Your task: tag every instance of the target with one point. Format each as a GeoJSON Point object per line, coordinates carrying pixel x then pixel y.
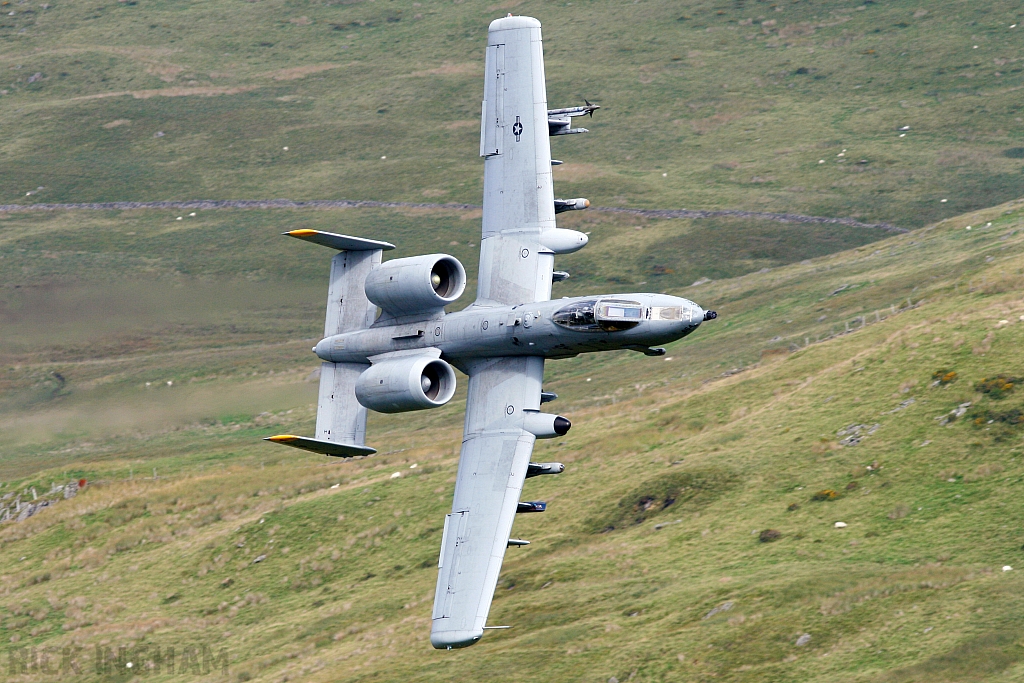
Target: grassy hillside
{"type": "Point", "coordinates": [111, 301]}
{"type": "Point", "coordinates": [649, 563]}
{"type": "Point", "coordinates": [705, 103]}
{"type": "Point", "coordinates": [692, 536]}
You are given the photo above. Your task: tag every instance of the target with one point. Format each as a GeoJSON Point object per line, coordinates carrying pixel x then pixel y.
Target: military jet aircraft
{"type": "Point", "coordinates": [403, 358]}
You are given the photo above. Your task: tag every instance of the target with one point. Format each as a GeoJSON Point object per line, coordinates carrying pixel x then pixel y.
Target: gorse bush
{"type": "Point", "coordinates": [696, 488]}
{"type": "Point", "coordinates": [1009, 417]}
{"type": "Point", "coordinates": [983, 415]}
{"type": "Point", "coordinates": [997, 387]}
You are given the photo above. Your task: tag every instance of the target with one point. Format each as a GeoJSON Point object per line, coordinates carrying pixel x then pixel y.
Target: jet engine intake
{"type": "Point", "coordinates": [406, 383]}
{"type": "Point", "coordinates": [418, 284]}
{"type": "Point", "coordinates": [545, 425]}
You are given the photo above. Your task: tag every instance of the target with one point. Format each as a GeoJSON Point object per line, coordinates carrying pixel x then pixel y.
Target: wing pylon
{"type": "Point", "coordinates": [560, 120]}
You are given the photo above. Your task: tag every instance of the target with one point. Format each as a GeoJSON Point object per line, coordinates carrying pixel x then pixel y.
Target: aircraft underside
{"type": "Point", "coordinates": [390, 346]}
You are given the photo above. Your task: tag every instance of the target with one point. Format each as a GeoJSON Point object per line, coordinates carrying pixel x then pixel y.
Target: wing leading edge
{"type": "Point", "coordinates": [518, 192]}
{"type": "Point", "coordinates": [495, 456]}
{"type": "Point", "coordinates": [517, 252]}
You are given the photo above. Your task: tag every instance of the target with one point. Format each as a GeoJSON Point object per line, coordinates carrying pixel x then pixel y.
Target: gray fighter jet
{"type": "Point", "coordinates": [403, 358]}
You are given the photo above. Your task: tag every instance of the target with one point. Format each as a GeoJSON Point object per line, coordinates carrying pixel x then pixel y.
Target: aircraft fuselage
{"type": "Point", "coordinates": [559, 328]}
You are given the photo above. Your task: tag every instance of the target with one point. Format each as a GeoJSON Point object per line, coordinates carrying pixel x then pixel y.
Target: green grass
{"type": "Point", "coordinates": [706, 104]}
{"type": "Point", "coordinates": [739, 426]}
{"type": "Point", "coordinates": [120, 303]}
{"type": "Point", "coordinates": [150, 356]}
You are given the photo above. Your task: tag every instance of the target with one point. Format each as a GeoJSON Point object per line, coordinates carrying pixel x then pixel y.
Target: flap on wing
{"type": "Point", "coordinates": [339, 242]}
{"type": "Point", "coordinates": [453, 540]}
{"type": "Point", "coordinates": [323, 447]}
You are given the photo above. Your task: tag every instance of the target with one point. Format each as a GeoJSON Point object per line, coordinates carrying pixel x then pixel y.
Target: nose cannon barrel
{"type": "Point", "coordinates": [710, 315]}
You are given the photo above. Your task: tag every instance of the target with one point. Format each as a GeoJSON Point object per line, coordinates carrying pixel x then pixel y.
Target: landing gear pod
{"type": "Point", "coordinates": [563, 240]}
{"type": "Point", "coordinates": [404, 384]}
{"type": "Point", "coordinates": [545, 425]}
{"type": "Point", "coordinates": [418, 284]}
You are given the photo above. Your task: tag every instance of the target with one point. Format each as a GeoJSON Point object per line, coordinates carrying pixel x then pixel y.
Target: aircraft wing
{"type": "Point", "coordinates": [495, 456]}
{"type": "Point", "coordinates": [518, 194]}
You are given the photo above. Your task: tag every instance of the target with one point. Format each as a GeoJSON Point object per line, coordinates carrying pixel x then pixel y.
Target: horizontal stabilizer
{"type": "Point", "coordinates": [340, 450]}
{"type": "Point", "coordinates": [339, 242]}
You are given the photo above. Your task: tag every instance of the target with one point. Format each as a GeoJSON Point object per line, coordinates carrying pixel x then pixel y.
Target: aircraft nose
{"type": "Point", "coordinates": [698, 315]}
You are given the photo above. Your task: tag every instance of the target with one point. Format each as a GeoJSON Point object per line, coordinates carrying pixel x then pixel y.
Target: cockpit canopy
{"type": "Point", "coordinates": [600, 315]}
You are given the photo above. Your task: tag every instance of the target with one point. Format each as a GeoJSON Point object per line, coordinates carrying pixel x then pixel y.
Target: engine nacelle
{"type": "Point", "coordinates": [545, 425]}
{"type": "Point", "coordinates": [406, 383]}
{"type": "Point", "coordinates": [417, 284]}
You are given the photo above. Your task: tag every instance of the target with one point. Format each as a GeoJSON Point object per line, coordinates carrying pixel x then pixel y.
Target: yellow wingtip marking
{"type": "Point", "coordinates": [304, 232]}
{"type": "Point", "coordinates": [282, 438]}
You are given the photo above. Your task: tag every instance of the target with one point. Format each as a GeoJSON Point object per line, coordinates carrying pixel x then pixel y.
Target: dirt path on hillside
{"type": "Point", "coordinates": [205, 204]}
